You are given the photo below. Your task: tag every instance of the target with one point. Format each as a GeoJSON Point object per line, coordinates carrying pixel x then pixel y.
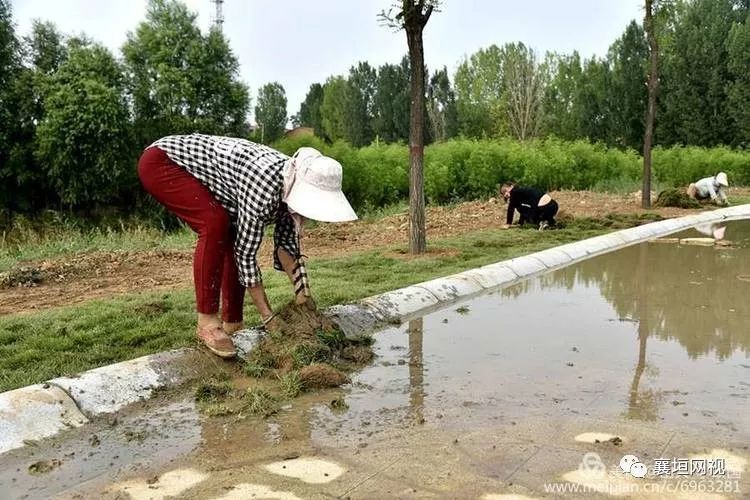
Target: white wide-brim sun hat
{"type": "Point", "coordinates": [315, 191]}
{"type": "Point", "coordinates": [721, 178]}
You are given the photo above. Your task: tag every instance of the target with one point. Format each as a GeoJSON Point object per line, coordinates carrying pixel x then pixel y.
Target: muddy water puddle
{"type": "Point", "coordinates": [151, 434]}
{"type": "Point", "coordinates": [645, 351]}
{"type": "Point", "coordinates": [651, 333]}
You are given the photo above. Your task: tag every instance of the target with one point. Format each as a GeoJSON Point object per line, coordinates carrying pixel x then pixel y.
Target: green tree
{"type": "Point", "coordinates": [524, 82]}
{"type": "Point", "coordinates": [441, 106]}
{"type": "Point", "coordinates": [9, 46]}
{"type": "Point", "coordinates": [562, 117]}
{"type": "Point", "coordinates": [391, 102]}
{"type": "Point", "coordinates": [738, 48]}
{"type": "Point", "coordinates": [180, 81]}
{"type": "Point", "coordinates": [16, 119]}
{"type": "Point", "coordinates": [222, 100]}
{"type": "Point", "coordinates": [44, 51]}
{"type": "Point", "coordinates": [593, 101]}
{"type": "Point", "coordinates": [359, 104]}
{"type": "Point", "coordinates": [628, 58]}
{"type": "Point", "coordinates": [480, 94]}
{"type": "Point", "coordinates": [84, 140]}
{"type": "Point", "coordinates": [45, 47]}
{"type": "Point", "coordinates": [270, 112]}
{"type": "Point", "coordinates": [500, 91]}
{"type": "Point", "coordinates": [9, 66]}
{"type": "Point", "coordinates": [26, 186]}
{"type": "Point", "coordinates": [653, 88]}
{"type": "Point", "coordinates": [333, 108]}
{"type": "Point", "coordinates": [695, 75]}
{"type": "Point", "coordinates": [309, 112]}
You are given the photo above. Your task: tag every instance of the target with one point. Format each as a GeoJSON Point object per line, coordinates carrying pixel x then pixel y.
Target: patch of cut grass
{"type": "Point", "coordinates": [259, 402]}
{"type": "Point", "coordinates": [290, 385]}
{"type": "Point", "coordinates": [333, 339]}
{"type": "Point", "coordinates": [254, 370]}
{"type": "Point", "coordinates": [321, 376]}
{"type": "Point", "coordinates": [674, 197]}
{"type": "Point", "coordinates": [212, 391]}
{"type": "Point", "coordinates": [307, 353]}
{"type": "Point", "coordinates": [217, 410]}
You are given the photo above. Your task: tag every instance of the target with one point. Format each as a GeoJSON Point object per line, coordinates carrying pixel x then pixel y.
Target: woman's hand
{"type": "Point", "coordinates": [306, 300]}
{"type": "Point", "coordinates": [274, 325]}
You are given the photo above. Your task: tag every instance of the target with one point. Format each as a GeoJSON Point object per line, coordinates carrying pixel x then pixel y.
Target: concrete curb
{"type": "Point", "coordinates": [35, 412]}
{"type": "Point", "coordinates": [41, 411]}
{"type": "Point", "coordinates": [112, 387]}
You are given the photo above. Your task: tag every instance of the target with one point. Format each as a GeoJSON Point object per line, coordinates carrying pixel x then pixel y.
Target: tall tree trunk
{"type": "Point", "coordinates": [653, 88]}
{"type": "Point", "coordinates": [417, 231]}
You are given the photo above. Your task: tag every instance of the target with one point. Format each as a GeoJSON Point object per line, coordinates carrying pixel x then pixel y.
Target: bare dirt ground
{"type": "Point", "coordinates": [77, 278]}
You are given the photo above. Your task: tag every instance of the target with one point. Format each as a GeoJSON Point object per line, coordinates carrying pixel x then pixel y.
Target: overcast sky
{"type": "Point", "coordinates": [299, 42]}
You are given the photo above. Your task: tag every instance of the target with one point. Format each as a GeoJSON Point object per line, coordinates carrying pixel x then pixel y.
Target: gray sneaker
{"type": "Point", "coordinates": [543, 225]}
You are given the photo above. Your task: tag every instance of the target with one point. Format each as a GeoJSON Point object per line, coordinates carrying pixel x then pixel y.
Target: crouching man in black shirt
{"type": "Point", "coordinates": [534, 206]}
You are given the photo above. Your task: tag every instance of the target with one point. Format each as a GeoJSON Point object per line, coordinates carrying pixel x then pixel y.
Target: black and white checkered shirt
{"type": "Point", "coordinates": [246, 179]}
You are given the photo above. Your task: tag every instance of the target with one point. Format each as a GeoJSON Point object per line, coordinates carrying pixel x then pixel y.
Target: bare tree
{"type": "Point", "coordinates": [525, 82]}
{"type": "Point", "coordinates": [653, 89]}
{"type": "Point", "coordinates": [412, 17]}
{"type": "Point", "coordinates": [437, 119]}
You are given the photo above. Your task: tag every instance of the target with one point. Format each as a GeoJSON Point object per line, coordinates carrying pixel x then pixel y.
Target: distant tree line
{"type": "Point", "coordinates": [74, 117]}
{"type": "Point", "coordinates": [510, 91]}
{"type": "Point", "coordinates": [372, 104]}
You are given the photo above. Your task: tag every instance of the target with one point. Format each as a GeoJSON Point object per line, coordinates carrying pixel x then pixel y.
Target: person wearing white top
{"type": "Point", "coordinates": [712, 188]}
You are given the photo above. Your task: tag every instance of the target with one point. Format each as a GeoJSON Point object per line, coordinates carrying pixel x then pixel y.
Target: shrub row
{"type": "Point", "coordinates": [680, 165]}
{"type": "Point", "coordinates": [462, 169]}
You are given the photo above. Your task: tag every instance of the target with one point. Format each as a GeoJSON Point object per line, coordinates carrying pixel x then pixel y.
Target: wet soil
{"type": "Point", "coordinates": [82, 277]}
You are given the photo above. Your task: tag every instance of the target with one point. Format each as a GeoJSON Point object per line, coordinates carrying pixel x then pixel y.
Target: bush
{"type": "Point", "coordinates": [681, 165]}
{"type": "Point", "coordinates": [460, 169]}
{"type": "Point", "coordinates": [465, 169]}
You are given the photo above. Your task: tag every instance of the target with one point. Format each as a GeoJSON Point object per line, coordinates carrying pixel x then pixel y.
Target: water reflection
{"type": "Point", "coordinates": [691, 294]}
{"type": "Point", "coordinates": [712, 230]}
{"type": "Point", "coordinates": [416, 369]}
{"type": "Point", "coordinates": [644, 404]}
{"type": "Point", "coordinates": [607, 338]}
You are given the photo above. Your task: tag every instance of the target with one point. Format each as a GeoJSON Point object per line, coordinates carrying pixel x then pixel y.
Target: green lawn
{"type": "Point", "coordinates": [67, 340]}
{"type": "Point", "coordinates": [739, 199]}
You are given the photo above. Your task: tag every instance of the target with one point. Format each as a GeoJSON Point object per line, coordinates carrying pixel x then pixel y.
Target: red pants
{"type": "Point", "coordinates": [214, 268]}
